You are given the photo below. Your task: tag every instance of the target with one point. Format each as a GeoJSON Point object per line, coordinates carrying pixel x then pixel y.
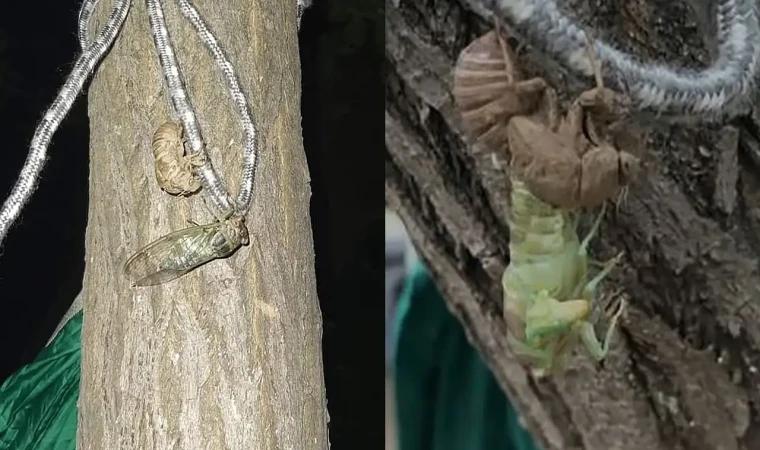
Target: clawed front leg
{"type": "Point", "coordinates": [532, 86]}
{"type": "Point", "coordinates": [596, 96]}
{"type": "Point", "coordinates": [590, 288]}
{"type": "Point", "coordinates": [575, 125]}
{"type": "Point", "coordinates": [508, 56]}
{"type": "Point", "coordinates": [588, 336]}
{"type": "Point", "coordinates": [593, 231]}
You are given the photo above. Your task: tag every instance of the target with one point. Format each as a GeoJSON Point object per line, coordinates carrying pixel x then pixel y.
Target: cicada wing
{"type": "Point", "coordinates": [139, 274]}
{"type": "Point", "coordinates": [161, 277]}
{"type": "Point", "coordinates": [515, 323]}
{"type": "Point", "coordinates": [165, 258]}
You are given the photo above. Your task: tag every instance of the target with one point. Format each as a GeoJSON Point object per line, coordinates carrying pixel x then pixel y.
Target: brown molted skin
{"type": "Point", "coordinates": [174, 170]}
{"type": "Point", "coordinates": [569, 162]}
{"type": "Point", "coordinates": [489, 90]}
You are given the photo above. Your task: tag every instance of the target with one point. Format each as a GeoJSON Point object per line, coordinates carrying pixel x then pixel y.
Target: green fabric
{"type": "Point", "coordinates": [446, 398]}
{"type": "Point", "coordinates": [38, 403]}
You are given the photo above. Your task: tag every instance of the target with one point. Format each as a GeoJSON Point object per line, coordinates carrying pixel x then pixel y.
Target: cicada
{"type": "Point", "coordinates": [171, 256]}
{"type": "Point", "coordinates": [548, 296]}
{"type": "Point", "coordinates": [558, 165]}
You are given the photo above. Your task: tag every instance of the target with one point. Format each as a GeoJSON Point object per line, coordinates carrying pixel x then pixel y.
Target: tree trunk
{"type": "Point", "coordinates": [229, 356]}
{"type": "Point", "coordinates": [683, 370]}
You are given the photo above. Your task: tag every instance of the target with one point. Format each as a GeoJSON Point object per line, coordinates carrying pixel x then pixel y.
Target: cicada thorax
{"type": "Point", "coordinates": [174, 169]}
{"type": "Point", "coordinates": [181, 251]}
{"type": "Point", "coordinates": [487, 92]}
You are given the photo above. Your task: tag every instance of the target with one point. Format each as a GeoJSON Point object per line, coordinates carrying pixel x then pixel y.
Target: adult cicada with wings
{"type": "Point", "coordinates": [171, 256]}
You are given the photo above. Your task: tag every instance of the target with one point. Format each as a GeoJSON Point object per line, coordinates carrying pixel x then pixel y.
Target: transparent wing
{"type": "Point", "coordinates": [139, 274]}
{"type": "Point", "coordinates": [171, 256]}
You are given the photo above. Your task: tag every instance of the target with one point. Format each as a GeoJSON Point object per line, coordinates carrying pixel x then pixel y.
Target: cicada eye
{"type": "Point", "coordinates": [244, 238]}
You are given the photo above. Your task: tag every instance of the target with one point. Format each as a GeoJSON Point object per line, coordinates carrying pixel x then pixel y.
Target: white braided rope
{"type": "Point", "coordinates": [92, 53]}
{"type": "Point", "coordinates": [213, 188]}
{"type": "Point", "coordinates": [721, 91]}
{"type": "Point", "coordinates": [250, 142]}
{"type": "Point", "coordinates": [83, 66]}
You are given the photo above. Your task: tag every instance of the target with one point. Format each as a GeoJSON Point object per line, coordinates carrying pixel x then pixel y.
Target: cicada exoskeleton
{"type": "Point", "coordinates": [181, 251]}
{"type": "Point", "coordinates": [174, 168]}
{"type": "Point", "coordinates": [490, 89]}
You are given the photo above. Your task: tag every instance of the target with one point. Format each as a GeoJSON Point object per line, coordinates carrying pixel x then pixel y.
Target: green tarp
{"type": "Point", "coordinates": [446, 398]}
{"type": "Point", "coordinates": [38, 403]}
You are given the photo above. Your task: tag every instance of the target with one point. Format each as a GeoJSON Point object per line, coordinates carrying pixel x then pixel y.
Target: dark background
{"type": "Point", "coordinates": [42, 259]}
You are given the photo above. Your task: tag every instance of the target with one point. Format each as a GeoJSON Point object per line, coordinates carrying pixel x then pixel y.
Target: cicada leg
{"type": "Point", "coordinates": [588, 336]}
{"type": "Point", "coordinates": [549, 358]}
{"type": "Point", "coordinates": [590, 288]}
{"type": "Point", "coordinates": [593, 231]}
{"type": "Point", "coordinates": [507, 54]}
{"type": "Point", "coordinates": [583, 255]}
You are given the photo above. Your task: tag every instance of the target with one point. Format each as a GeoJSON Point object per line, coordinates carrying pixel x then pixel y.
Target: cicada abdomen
{"type": "Point", "coordinates": [489, 89]}
{"type": "Point", "coordinates": [174, 169]}
{"type": "Point", "coordinates": [179, 252]}
{"type": "Point", "coordinates": [545, 257]}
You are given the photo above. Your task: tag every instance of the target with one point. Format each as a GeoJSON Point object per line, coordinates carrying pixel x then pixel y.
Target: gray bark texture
{"type": "Point", "coordinates": [683, 371]}
{"type": "Point", "coordinates": [229, 356]}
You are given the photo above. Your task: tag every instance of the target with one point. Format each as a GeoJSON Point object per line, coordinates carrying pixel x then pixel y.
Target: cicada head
{"type": "Point", "coordinates": [236, 231]}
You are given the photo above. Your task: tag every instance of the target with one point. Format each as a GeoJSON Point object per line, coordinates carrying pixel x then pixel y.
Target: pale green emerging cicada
{"type": "Point", "coordinates": [547, 298]}
{"type": "Point", "coordinates": [171, 256]}
{"type": "Point", "coordinates": [557, 167]}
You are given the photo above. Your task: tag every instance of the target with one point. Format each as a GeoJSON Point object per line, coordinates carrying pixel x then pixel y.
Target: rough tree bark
{"type": "Point", "coordinates": [683, 372]}
{"type": "Point", "coordinates": [228, 357]}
